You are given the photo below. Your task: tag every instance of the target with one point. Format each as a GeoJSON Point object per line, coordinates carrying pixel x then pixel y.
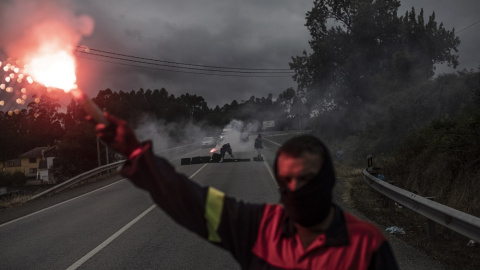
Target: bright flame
{"type": "Point", "coordinates": [213, 150]}
{"type": "Point", "coordinates": [53, 69]}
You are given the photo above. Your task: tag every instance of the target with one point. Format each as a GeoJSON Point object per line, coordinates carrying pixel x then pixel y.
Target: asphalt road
{"type": "Point", "coordinates": [117, 226]}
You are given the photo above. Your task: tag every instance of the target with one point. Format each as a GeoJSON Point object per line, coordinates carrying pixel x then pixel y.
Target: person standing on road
{"type": "Point", "coordinates": [258, 145]}
{"type": "Point", "coordinates": [306, 231]}
{"type": "Point", "coordinates": [340, 154]}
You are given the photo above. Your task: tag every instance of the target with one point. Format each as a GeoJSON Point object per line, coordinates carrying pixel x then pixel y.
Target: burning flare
{"type": "Point", "coordinates": [54, 69]}
{"type": "Point", "coordinates": [43, 41]}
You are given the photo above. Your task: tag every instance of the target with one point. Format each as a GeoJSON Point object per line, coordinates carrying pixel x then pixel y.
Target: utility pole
{"type": "Point", "coordinates": [299, 113]}
{"type": "Point", "coordinates": [106, 146]}
{"type": "Point", "coordinates": [98, 152]}
{"type": "Point", "coordinates": [106, 150]}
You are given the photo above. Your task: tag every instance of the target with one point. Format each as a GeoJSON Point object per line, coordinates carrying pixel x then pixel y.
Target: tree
{"type": "Point", "coordinates": [45, 122]}
{"type": "Point", "coordinates": [13, 133]}
{"type": "Point", "coordinates": [192, 106]}
{"type": "Point", "coordinates": [77, 152]}
{"type": "Point", "coordinates": [357, 43]}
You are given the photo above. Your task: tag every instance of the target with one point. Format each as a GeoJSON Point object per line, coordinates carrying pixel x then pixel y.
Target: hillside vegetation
{"type": "Point", "coordinates": [442, 160]}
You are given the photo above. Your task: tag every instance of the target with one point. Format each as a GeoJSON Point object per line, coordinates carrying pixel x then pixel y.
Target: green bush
{"type": "Point", "coordinates": [442, 160]}
{"type": "Point", "coordinates": [12, 179]}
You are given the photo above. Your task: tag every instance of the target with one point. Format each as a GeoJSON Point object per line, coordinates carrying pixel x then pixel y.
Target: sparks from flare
{"type": "Point", "coordinates": [56, 70]}
{"type": "Point", "coordinates": [45, 50]}
{"type": "Point", "coordinates": [12, 83]}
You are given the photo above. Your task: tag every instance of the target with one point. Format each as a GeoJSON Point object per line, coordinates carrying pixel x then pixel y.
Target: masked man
{"type": "Point", "coordinates": [306, 231]}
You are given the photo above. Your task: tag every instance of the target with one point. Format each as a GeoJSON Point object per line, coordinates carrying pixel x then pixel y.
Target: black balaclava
{"type": "Point", "coordinates": [310, 204]}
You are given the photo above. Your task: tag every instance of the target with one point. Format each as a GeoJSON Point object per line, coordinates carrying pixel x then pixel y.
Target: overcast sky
{"type": "Point", "coordinates": [255, 34]}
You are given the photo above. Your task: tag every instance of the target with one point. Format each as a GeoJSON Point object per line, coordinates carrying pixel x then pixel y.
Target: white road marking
{"type": "Point", "coordinates": [109, 240]}
{"type": "Point", "coordinates": [118, 233]}
{"type": "Point", "coordinates": [50, 207]}
{"type": "Point", "coordinates": [270, 171]}
{"type": "Point", "coordinates": [39, 211]}
{"type": "Point", "coordinates": [201, 168]}
{"type": "Point", "coordinates": [272, 142]}
{"type": "Point", "coordinates": [183, 155]}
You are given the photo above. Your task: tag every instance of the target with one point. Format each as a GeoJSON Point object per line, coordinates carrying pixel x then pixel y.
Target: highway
{"type": "Point", "coordinates": [118, 226]}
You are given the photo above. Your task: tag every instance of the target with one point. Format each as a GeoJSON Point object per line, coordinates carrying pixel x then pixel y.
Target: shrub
{"type": "Point", "coordinates": [12, 179]}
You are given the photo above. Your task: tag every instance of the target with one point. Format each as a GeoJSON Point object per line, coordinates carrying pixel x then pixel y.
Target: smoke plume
{"type": "Point", "coordinates": [27, 26]}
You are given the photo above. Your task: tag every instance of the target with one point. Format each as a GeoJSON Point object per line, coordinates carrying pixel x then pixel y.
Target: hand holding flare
{"type": "Point", "coordinates": [118, 135]}
{"type": "Point", "coordinates": [89, 106]}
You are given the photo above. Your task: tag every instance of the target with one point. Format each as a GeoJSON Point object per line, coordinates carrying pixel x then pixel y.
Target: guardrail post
{"type": "Point", "coordinates": [391, 202]}
{"type": "Point", "coordinates": [431, 226]}
{"type": "Point", "coordinates": [369, 163]}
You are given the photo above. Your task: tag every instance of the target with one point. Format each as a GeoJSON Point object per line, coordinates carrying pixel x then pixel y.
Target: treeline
{"type": "Point", "coordinates": [159, 104]}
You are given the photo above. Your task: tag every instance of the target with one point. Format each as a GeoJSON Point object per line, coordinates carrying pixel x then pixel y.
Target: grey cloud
{"type": "Point", "coordinates": [252, 34]}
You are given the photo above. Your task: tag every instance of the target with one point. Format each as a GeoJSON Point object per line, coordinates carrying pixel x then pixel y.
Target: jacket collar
{"type": "Point", "coordinates": [336, 234]}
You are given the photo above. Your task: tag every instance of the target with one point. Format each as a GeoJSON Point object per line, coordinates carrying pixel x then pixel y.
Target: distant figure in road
{"type": "Point", "coordinates": [340, 154]}
{"type": "Point", "coordinates": [307, 230]}
{"type": "Point", "coordinates": [258, 146]}
{"type": "Point", "coordinates": [226, 148]}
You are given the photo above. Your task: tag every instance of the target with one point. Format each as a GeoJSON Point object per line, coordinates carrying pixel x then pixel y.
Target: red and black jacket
{"type": "Point", "coordinates": [259, 236]}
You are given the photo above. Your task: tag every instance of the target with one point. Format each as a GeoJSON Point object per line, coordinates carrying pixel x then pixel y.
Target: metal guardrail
{"type": "Point", "coordinates": [453, 219]}
{"type": "Point", "coordinates": [88, 174]}
{"type": "Point", "coordinates": [78, 178]}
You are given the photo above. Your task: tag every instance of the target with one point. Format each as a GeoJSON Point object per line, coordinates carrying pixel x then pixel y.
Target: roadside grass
{"type": "Point", "coordinates": [26, 192]}
{"type": "Point", "coordinates": [449, 248]}
{"type": "Point", "coordinates": [14, 201]}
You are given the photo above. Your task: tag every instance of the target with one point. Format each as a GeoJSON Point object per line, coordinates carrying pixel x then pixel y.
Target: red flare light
{"type": "Point", "coordinates": [54, 69]}
{"type": "Point", "coordinates": [44, 43]}
{"type": "Point", "coordinates": [213, 150]}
